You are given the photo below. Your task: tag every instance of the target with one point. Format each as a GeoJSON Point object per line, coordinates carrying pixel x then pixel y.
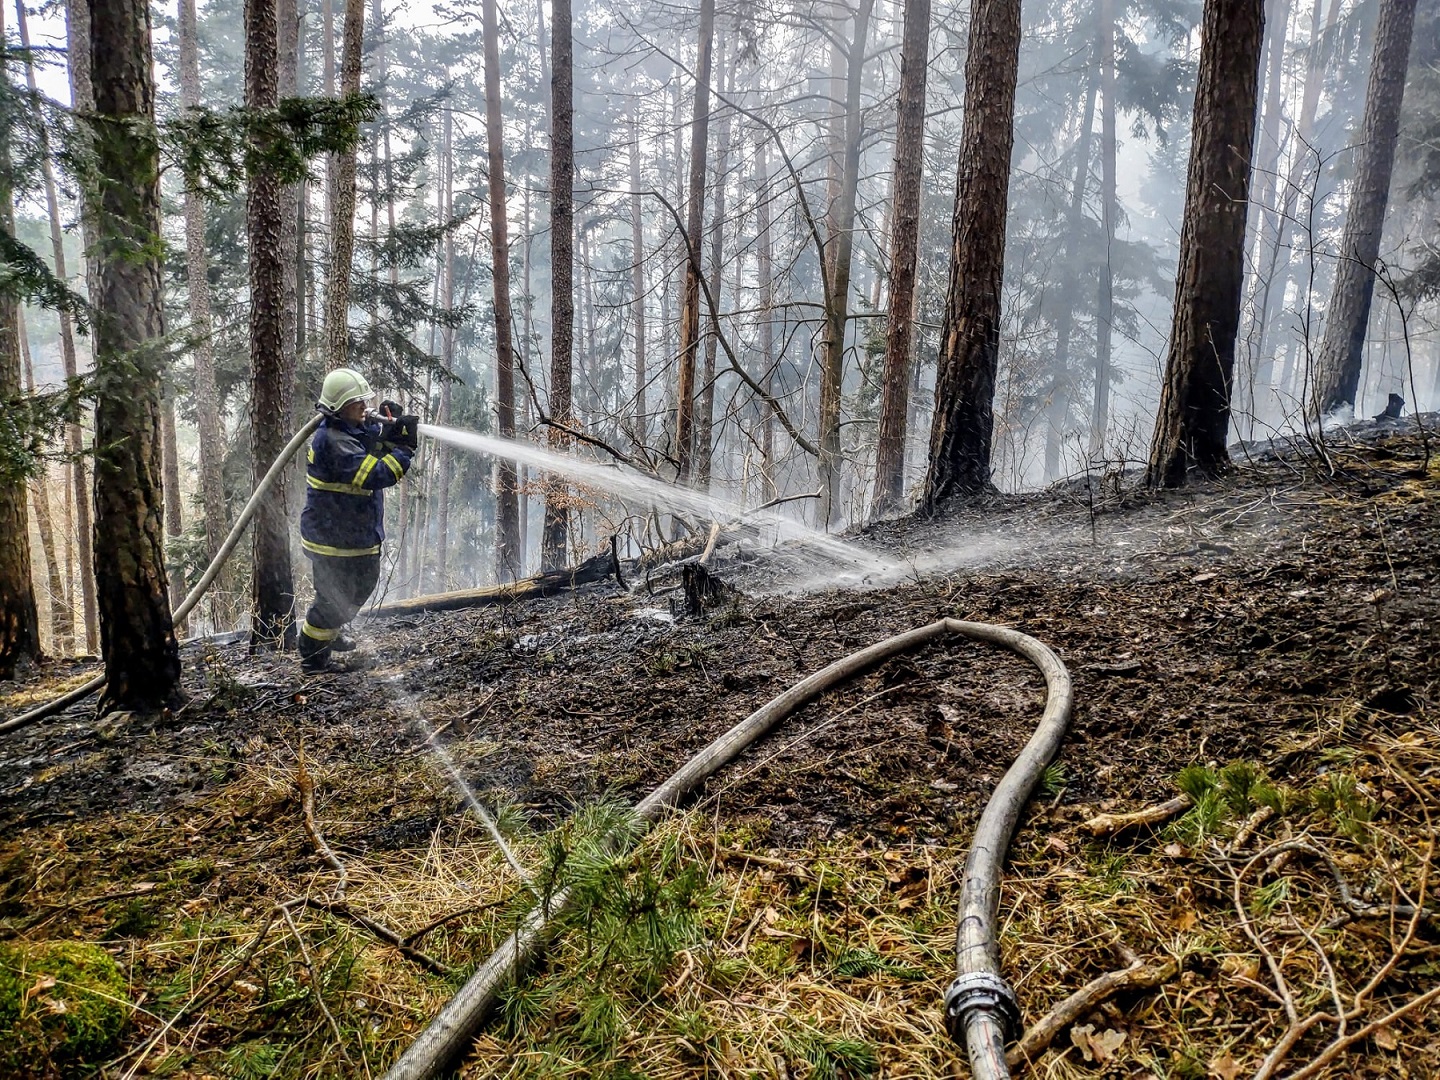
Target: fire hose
{"type": "Point", "coordinates": [268, 481]}
{"type": "Point", "coordinates": [981, 1010]}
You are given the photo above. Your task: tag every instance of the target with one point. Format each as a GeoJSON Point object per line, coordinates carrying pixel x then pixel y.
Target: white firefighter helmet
{"type": "Point", "coordinates": [342, 386]}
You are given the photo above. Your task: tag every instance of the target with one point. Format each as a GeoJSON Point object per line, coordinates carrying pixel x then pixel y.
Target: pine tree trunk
{"type": "Point", "coordinates": [1194, 416]}
{"type": "Point", "coordinates": [1060, 385]}
{"type": "Point", "coordinates": [509, 552]}
{"type": "Point", "coordinates": [562, 274]}
{"type": "Point", "coordinates": [142, 657]}
{"type": "Point", "coordinates": [62, 623]}
{"type": "Point", "coordinates": [637, 281]}
{"type": "Point", "coordinates": [840, 246]}
{"type": "Point", "coordinates": [904, 258]}
{"type": "Point", "coordinates": [694, 223]}
{"type": "Point", "coordinates": [705, 419]}
{"type": "Point", "coordinates": [1105, 300]}
{"type": "Point", "coordinates": [19, 618]}
{"type": "Point", "coordinates": [970, 329]}
{"type": "Point", "coordinates": [174, 515]}
{"type": "Point", "coordinates": [82, 94]}
{"type": "Point", "coordinates": [271, 381]}
{"type": "Point", "coordinates": [207, 396]}
{"type": "Point", "coordinates": [287, 19]}
{"type": "Point", "coordinates": [1348, 314]}
{"type": "Point", "coordinates": [341, 199]}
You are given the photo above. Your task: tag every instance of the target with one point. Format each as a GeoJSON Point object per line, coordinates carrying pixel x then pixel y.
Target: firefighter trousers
{"type": "Point", "coordinates": [342, 585]}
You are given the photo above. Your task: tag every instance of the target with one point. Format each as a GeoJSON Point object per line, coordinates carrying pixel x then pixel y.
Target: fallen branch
{"type": "Point", "coordinates": [596, 568]}
{"type": "Point", "coordinates": [307, 804]}
{"type": "Point", "coordinates": [380, 930]}
{"type": "Point", "coordinates": [1097, 991]}
{"type": "Point", "coordinates": [1110, 824]}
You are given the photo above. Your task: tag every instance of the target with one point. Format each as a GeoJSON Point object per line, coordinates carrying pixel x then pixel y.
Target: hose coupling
{"type": "Point", "coordinates": [980, 990]}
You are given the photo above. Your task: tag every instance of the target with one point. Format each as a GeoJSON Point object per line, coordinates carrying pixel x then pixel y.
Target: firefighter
{"type": "Point", "coordinates": [353, 458]}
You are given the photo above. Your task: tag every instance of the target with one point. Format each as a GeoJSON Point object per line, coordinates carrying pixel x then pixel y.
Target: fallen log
{"type": "Point", "coordinates": [596, 568]}
{"type": "Point", "coordinates": [1110, 824]}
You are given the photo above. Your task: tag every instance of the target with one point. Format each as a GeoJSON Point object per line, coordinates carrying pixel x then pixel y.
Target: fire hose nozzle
{"type": "Point", "coordinates": [980, 990]}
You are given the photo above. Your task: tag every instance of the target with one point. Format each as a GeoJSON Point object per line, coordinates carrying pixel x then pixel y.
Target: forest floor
{"type": "Point", "coordinates": [1268, 643]}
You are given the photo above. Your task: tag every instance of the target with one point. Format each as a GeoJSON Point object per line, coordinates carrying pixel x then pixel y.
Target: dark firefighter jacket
{"type": "Point", "coordinates": [344, 503]}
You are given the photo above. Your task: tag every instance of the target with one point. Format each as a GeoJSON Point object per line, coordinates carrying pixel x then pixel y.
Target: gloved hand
{"type": "Point", "coordinates": [391, 409]}
{"type": "Point", "coordinates": [404, 431]}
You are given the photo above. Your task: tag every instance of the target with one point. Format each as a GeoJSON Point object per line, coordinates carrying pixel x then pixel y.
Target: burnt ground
{"type": "Point", "coordinates": [1241, 620]}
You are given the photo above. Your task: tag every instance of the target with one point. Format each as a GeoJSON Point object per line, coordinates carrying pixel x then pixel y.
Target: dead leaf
{"type": "Point", "coordinates": [45, 982]}
{"type": "Point", "coordinates": [57, 1006]}
{"type": "Point", "coordinates": [1055, 844]}
{"type": "Point", "coordinates": [1098, 1048]}
{"type": "Point", "coordinates": [1186, 920]}
{"type": "Point", "coordinates": [1385, 1039]}
{"type": "Point", "coordinates": [1225, 1067]}
{"type": "Point", "coordinates": [1200, 579]}
{"type": "Point", "coordinates": [1176, 850]}
{"type": "Point", "coordinates": [1080, 1036]}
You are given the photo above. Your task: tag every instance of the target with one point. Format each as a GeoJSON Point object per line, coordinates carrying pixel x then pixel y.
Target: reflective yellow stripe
{"type": "Point", "coordinates": [366, 468]}
{"type": "Point", "coordinates": [310, 455]}
{"type": "Point", "coordinates": [343, 489]}
{"type": "Point", "coordinates": [326, 549]}
{"type": "Point", "coordinates": [318, 633]}
{"type": "Point", "coordinates": [394, 466]}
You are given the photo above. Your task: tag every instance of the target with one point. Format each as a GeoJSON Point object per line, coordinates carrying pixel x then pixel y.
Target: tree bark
{"type": "Point", "coordinates": [970, 329]}
{"type": "Point", "coordinates": [904, 248]}
{"type": "Point", "coordinates": [142, 657]}
{"type": "Point", "coordinates": [1347, 316]}
{"type": "Point", "coordinates": [694, 223]}
{"type": "Point", "coordinates": [271, 381]}
{"type": "Point", "coordinates": [19, 617]}
{"type": "Point", "coordinates": [447, 341]}
{"type": "Point", "coordinates": [1194, 416]}
{"type": "Point", "coordinates": [1060, 384]}
{"type": "Point", "coordinates": [170, 473]}
{"type": "Point", "coordinates": [341, 199]}
{"type": "Point", "coordinates": [765, 272]}
{"type": "Point", "coordinates": [562, 274]}
{"type": "Point", "coordinates": [1105, 305]}
{"type": "Point", "coordinates": [839, 249]}
{"type": "Point", "coordinates": [82, 94]}
{"type": "Point", "coordinates": [508, 541]}
{"type": "Point", "coordinates": [705, 419]}
{"type": "Point", "coordinates": [207, 397]}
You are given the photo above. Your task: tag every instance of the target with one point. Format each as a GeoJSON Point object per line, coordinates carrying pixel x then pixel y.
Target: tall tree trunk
{"type": "Point", "coordinates": [447, 343]}
{"type": "Point", "coordinates": [970, 330]}
{"type": "Point", "coordinates": [1058, 411]}
{"type": "Point", "coordinates": [287, 19]}
{"type": "Point", "coordinates": [271, 382]}
{"type": "Point", "coordinates": [82, 94]}
{"type": "Point", "coordinates": [19, 618]}
{"type": "Point", "coordinates": [562, 273]}
{"type": "Point", "coordinates": [62, 621]}
{"type": "Point", "coordinates": [1105, 300]}
{"type": "Point", "coordinates": [170, 475]}
{"type": "Point", "coordinates": [508, 541]}
{"type": "Point", "coordinates": [705, 420]}
{"type": "Point", "coordinates": [904, 259]}
{"type": "Point", "coordinates": [142, 657]}
{"type": "Point", "coordinates": [765, 273]}
{"type": "Point", "coordinates": [1347, 316]}
{"type": "Point", "coordinates": [694, 223]}
{"type": "Point", "coordinates": [1278, 221]}
{"type": "Point", "coordinates": [840, 245]}
{"type": "Point", "coordinates": [637, 280]}
{"type": "Point", "coordinates": [1258, 370]}
{"type": "Point", "coordinates": [342, 200]}
{"type": "Point", "coordinates": [207, 396]}
{"type": "Point", "coordinates": [1194, 415]}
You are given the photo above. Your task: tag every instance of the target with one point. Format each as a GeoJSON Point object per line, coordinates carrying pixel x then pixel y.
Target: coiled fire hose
{"type": "Point", "coordinates": [981, 1010]}
{"type": "Point", "coordinates": [268, 481]}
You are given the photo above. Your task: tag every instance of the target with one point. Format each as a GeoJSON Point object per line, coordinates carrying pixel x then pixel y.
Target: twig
{"type": "Point", "coordinates": [315, 983]}
{"type": "Point", "coordinates": [380, 930]}
{"type": "Point", "coordinates": [307, 804]}
{"type": "Point", "coordinates": [1110, 824]}
{"type": "Point", "coordinates": [469, 909]}
{"type": "Point", "coordinates": [1339, 1046]}
{"type": "Point", "coordinates": [1044, 1031]}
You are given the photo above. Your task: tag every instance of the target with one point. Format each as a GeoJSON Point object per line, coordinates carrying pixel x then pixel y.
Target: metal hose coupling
{"type": "Point", "coordinates": [980, 990]}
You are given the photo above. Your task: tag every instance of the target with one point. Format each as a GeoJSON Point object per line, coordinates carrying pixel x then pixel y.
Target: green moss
{"type": "Point", "coordinates": [61, 1003]}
